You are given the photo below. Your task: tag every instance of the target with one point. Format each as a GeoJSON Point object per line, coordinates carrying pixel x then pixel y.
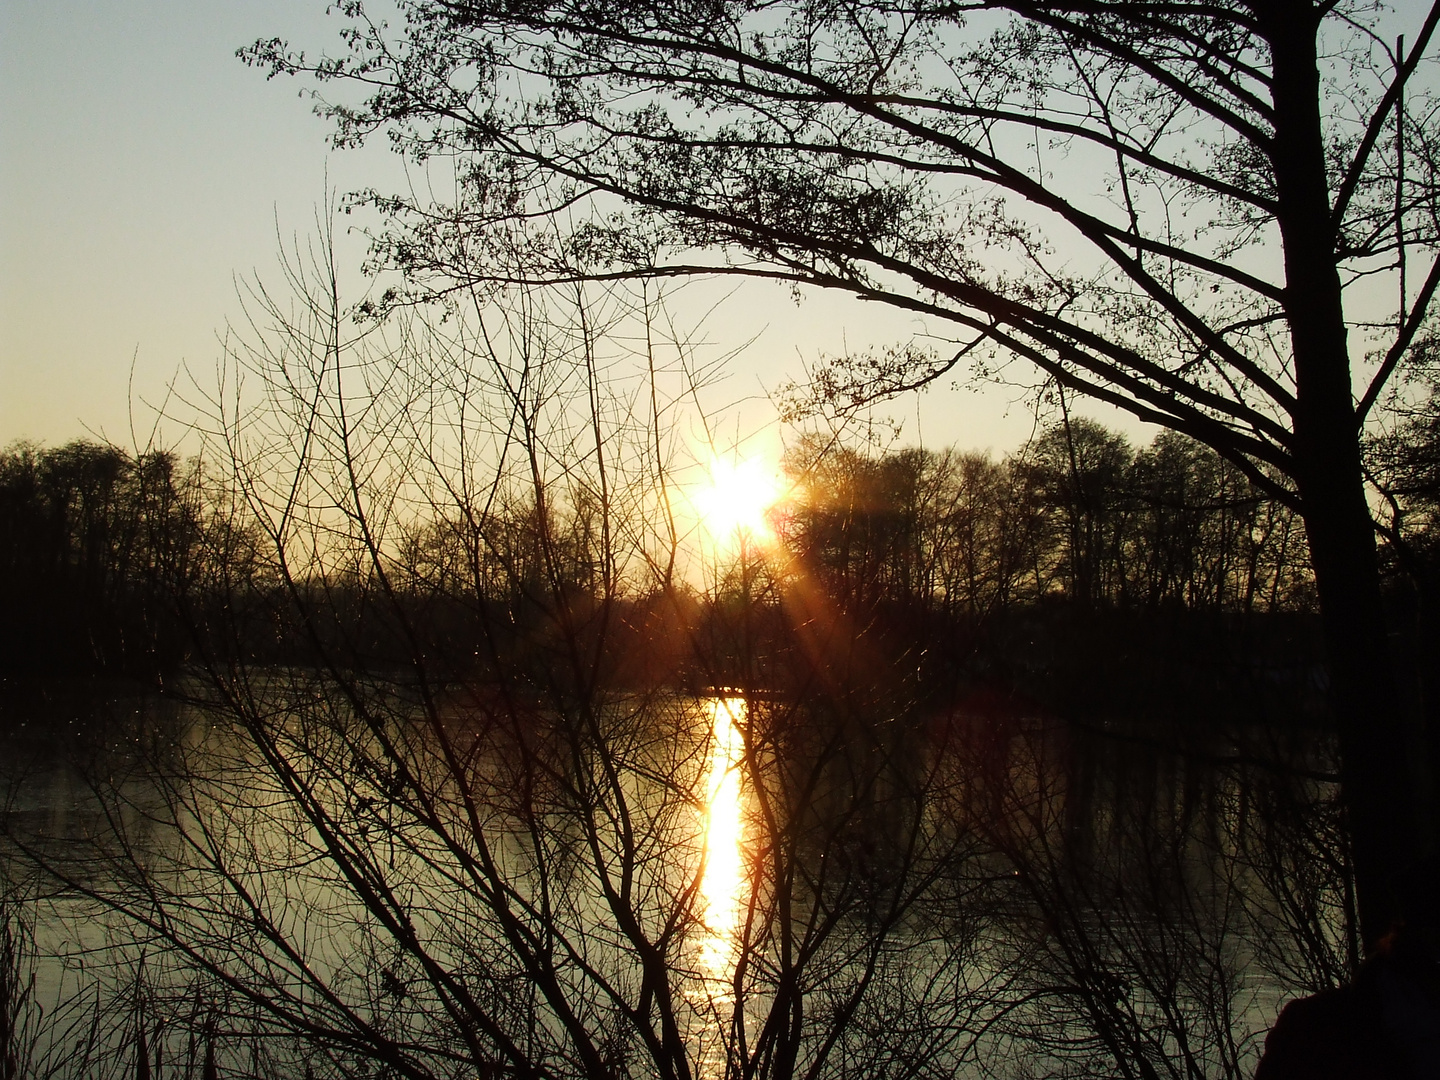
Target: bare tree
{"type": "Point", "coordinates": [427, 814]}
{"type": "Point", "coordinates": [1180, 210]}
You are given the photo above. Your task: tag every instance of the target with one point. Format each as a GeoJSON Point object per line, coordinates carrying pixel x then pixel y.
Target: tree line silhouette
{"type": "Point", "coordinates": [98, 544]}
{"type": "Point", "coordinates": [111, 561]}
{"type": "Point", "coordinates": [1077, 514]}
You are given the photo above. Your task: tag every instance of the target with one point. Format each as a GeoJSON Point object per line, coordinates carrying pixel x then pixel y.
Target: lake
{"type": "Point", "coordinates": [362, 878]}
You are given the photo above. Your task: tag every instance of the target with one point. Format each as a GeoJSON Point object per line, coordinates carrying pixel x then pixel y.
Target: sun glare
{"type": "Point", "coordinates": [738, 499]}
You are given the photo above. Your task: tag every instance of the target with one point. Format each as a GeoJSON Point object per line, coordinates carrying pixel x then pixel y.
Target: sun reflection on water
{"type": "Point", "coordinates": [722, 887]}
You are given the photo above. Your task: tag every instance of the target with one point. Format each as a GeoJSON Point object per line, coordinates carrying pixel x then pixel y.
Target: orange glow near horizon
{"type": "Point", "coordinates": [738, 500]}
{"type": "Point", "coordinates": [722, 887]}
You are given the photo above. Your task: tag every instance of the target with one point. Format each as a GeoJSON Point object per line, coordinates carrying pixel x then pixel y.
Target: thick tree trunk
{"type": "Point", "coordinates": [1377, 764]}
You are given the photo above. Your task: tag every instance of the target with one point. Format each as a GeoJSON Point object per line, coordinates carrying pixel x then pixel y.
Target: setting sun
{"type": "Point", "coordinates": [738, 499]}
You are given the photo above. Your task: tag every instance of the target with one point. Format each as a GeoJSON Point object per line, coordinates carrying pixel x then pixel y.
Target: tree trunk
{"type": "Point", "coordinates": [1377, 764]}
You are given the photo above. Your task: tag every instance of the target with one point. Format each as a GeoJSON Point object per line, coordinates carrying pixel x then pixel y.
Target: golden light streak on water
{"type": "Point", "coordinates": [722, 887]}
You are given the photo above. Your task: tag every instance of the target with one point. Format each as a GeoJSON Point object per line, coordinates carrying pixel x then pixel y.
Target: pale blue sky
{"type": "Point", "coordinates": [143, 168]}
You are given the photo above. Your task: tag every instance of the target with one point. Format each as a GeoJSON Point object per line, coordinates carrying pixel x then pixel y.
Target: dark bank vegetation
{"type": "Point", "coordinates": [95, 544]}
{"type": "Point", "coordinates": [113, 562]}
{"type": "Point", "coordinates": [1079, 570]}
{"type": "Point", "coordinates": [1077, 556]}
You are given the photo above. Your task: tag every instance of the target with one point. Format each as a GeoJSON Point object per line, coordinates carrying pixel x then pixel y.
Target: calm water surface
{"type": "Point", "coordinates": [67, 756]}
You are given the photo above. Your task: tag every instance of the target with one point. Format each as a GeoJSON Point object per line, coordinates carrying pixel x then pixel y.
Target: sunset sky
{"type": "Point", "coordinates": [144, 171]}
